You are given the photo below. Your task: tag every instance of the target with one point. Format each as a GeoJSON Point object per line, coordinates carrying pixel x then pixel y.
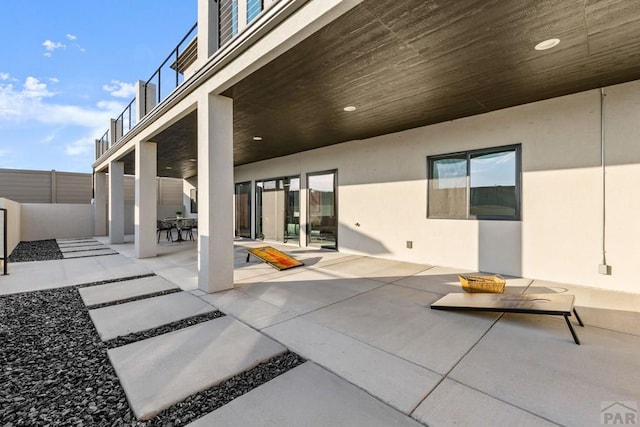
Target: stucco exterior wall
{"type": "Point", "coordinates": [383, 188]}
{"type": "Point", "coordinates": [40, 221]}
{"type": "Point", "coordinates": [13, 224]}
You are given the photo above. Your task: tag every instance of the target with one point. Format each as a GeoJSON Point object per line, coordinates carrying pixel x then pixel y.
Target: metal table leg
{"type": "Point", "coordinates": [578, 317]}
{"type": "Point", "coordinates": [573, 333]}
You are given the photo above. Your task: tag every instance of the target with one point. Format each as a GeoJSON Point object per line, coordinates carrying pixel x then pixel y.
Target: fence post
{"type": "Point", "coordinates": [5, 255]}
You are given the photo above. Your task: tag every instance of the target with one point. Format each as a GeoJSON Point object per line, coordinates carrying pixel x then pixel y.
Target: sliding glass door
{"type": "Point", "coordinates": [243, 209]}
{"type": "Point", "coordinates": [278, 209]}
{"type": "Point", "coordinates": [322, 213]}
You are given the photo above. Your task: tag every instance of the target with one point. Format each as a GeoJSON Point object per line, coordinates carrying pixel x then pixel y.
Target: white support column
{"type": "Point", "coordinates": [207, 30]}
{"type": "Point", "coordinates": [144, 102]}
{"type": "Point", "coordinates": [215, 193]}
{"type": "Point", "coordinates": [146, 209]}
{"type": "Point", "coordinates": [116, 202]}
{"type": "Point", "coordinates": [100, 206]}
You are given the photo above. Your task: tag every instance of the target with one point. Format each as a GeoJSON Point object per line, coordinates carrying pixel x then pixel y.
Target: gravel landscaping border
{"type": "Point", "coordinates": [132, 299]}
{"type": "Point", "coordinates": [54, 369]}
{"type": "Point", "coordinates": [36, 250]}
{"type": "Point", "coordinates": [169, 327]}
{"type": "Point", "coordinates": [119, 279]}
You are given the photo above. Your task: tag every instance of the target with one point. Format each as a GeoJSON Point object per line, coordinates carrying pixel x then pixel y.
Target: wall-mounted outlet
{"type": "Point", "coordinates": [409, 244]}
{"type": "Point", "coordinates": [604, 269]}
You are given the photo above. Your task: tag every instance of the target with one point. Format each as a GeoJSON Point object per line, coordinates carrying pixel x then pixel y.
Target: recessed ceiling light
{"type": "Point", "coordinates": [547, 44]}
{"type": "Point", "coordinates": [257, 138]}
{"type": "Point", "coordinates": [168, 167]}
{"type": "Point", "coordinates": [193, 160]}
{"type": "Point", "coordinates": [349, 108]}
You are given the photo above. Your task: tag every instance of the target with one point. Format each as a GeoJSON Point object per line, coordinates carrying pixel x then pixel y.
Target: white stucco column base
{"type": "Point", "coordinates": [116, 202]}
{"type": "Point", "coordinates": [145, 213]}
{"type": "Point", "coordinates": [100, 204]}
{"type": "Point", "coordinates": [215, 193]}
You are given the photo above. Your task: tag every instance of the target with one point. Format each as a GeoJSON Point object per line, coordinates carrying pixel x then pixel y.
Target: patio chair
{"type": "Point", "coordinates": [164, 226]}
{"type": "Point", "coordinates": [187, 228]}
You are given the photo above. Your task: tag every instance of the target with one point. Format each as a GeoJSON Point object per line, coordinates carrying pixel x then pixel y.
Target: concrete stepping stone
{"type": "Point", "coordinates": [158, 372]}
{"type": "Point", "coordinates": [122, 319]}
{"type": "Point", "coordinates": [79, 243]}
{"type": "Point", "coordinates": [76, 239]}
{"type": "Point", "coordinates": [117, 291]}
{"type": "Point", "coordinates": [309, 396]}
{"type": "Point", "coordinates": [82, 254]}
{"type": "Point", "coordinates": [95, 247]}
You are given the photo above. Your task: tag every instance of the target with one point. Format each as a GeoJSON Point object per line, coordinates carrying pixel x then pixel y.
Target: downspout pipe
{"type": "Point", "coordinates": [604, 176]}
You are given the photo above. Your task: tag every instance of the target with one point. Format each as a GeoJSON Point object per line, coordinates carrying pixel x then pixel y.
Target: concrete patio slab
{"type": "Point", "coordinates": [123, 319]}
{"type": "Point", "coordinates": [184, 277]}
{"type": "Point", "coordinates": [250, 310]}
{"type": "Point", "coordinates": [122, 290]}
{"type": "Point", "coordinates": [377, 269]}
{"type": "Point", "coordinates": [442, 280]}
{"type": "Point", "coordinates": [161, 371]}
{"type": "Point", "coordinates": [531, 362]}
{"type": "Point", "coordinates": [393, 380]}
{"type": "Point", "coordinates": [85, 254]}
{"type": "Point", "coordinates": [455, 404]}
{"type": "Point", "coordinates": [308, 290]}
{"type": "Point", "coordinates": [38, 275]}
{"type": "Point", "coordinates": [399, 320]}
{"type": "Point", "coordinates": [306, 396]}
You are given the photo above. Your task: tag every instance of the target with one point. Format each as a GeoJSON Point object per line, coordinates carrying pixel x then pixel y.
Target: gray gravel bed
{"type": "Point", "coordinates": [119, 279]}
{"type": "Point", "coordinates": [36, 250]}
{"type": "Point", "coordinates": [169, 327]}
{"type": "Point", "coordinates": [54, 369]}
{"type": "Point", "coordinates": [132, 299]}
{"type": "Point", "coordinates": [86, 250]}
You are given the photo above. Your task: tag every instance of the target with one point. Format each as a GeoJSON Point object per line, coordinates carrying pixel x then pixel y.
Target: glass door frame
{"type": "Point", "coordinates": [335, 203]}
{"type": "Point", "coordinates": [259, 232]}
{"type": "Point", "coordinates": [235, 207]}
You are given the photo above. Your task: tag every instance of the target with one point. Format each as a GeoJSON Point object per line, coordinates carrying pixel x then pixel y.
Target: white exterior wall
{"type": "Point", "coordinates": [39, 221]}
{"type": "Point", "coordinates": [13, 225]}
{"type": "Point", "coordinates": [383, 187]}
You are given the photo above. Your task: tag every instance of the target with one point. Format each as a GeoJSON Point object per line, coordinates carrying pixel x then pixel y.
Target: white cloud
{"type": "Point", "coordinates": [120, 89]}
{"type": "Point", "coordinates": [54, 80]}
{"type": "Point", "coordinates": [4, 76]}
{"type": "Point", "coordinates": [51, 46]}
{"type": "Point", "coordinates": [33, 88]}
{"type": "Point", "coordinates": [31, 103]}
{"type": "Point", "coordinates": [71, 37]}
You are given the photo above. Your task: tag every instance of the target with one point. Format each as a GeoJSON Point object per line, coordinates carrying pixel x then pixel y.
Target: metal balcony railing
{"type": "Point", "coordinates": [170, 74]}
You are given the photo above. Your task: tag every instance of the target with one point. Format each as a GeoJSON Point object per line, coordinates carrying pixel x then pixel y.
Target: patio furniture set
{"type": "Point", "coordinates": [183, 226]}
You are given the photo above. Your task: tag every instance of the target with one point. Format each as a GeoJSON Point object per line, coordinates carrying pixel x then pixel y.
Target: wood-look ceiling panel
{"type": "Point", "coordinates": [411, 63]}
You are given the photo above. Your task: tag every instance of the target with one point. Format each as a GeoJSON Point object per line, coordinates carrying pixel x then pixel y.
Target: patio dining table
{"type": "Point", "coordinates": [179, 224]}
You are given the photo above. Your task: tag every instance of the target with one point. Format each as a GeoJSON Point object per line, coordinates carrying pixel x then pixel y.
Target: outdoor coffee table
{"type": "Point", "coordinates": [552, 304]}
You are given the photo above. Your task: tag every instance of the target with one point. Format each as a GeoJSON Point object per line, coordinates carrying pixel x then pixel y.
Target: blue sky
{"type": "Point", "coordinates": [68, 66]}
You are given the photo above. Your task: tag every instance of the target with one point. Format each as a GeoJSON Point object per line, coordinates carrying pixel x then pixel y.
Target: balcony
{"type": "Point", "coordinates": [234, 16]}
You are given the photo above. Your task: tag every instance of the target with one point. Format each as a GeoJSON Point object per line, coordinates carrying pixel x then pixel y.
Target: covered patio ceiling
{"type": "Point", "coordinates": [405, 64]}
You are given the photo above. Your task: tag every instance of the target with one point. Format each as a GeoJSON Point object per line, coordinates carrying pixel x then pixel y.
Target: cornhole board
{"type": "Point", "coordinates": [551, 304]}
{"type": "Point", "coordinates": [275, 258]}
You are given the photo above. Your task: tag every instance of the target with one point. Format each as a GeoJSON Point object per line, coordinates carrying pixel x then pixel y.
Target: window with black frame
{"type": "Point", "coordinates": [477, 184]}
